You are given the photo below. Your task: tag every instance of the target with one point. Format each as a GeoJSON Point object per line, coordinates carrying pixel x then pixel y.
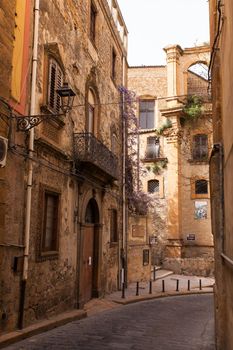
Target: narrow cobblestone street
{"type": "Point", "coordinates": [173, 323]}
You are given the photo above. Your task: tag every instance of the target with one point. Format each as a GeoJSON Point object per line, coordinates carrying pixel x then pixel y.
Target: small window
{"type": "Point", "coordinates": [201, 187]}
{"type": "Point", "coordinates": [91, 112]}
{"type": "Point", "coordinates": [50, 222]}
{"type": "Point", "coordinates": [114, 143]}
{"type": "Point", "coordinates": [113, 69]}
{"type": "Point", "coordinates": [113, 226]}
{"type": "Point", "coordinates": [153, 148]}
{"type": "Point", "coordinates": [93, 23]}
{"type": "Point", "coordinates": [153, 186]}
{"type": "Point", "coordinates": [146, 114]}
{"type": "Point", "coordinates": [55, 81]}
{"type": "Point", "coordinates": [200, 147]}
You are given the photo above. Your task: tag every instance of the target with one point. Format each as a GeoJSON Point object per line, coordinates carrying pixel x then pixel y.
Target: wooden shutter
{"type": "Point", "coordinates": [55, 82]}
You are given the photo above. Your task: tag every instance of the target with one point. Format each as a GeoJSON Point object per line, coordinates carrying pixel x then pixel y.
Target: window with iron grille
{"type": "Point", "coordinates": [50, 222]}
{"type": "Point", "coordinates": [200, 147]}
{"type": "Point", "coordinates": [152, 148]}
{"type": "Point", "coordinates": [93, 23]}
{"type": "Point", "coordinates": [201, 187]}
{"type": "Point", "coordinates": [146, 114]}
{"type": "Point", "coordinates": [153, 186]}
{"type": "Point", "coordinates": [55, 81]}
{"type": "Point", "coordinates": [113, 226]}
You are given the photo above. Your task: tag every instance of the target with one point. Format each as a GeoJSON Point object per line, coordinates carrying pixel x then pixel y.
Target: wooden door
{"type": "Point", "coordinates": [87, 264]}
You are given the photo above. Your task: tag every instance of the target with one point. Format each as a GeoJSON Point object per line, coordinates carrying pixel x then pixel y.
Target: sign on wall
{"type": "Point", "coordinates": [200, 211]}
{"type": "Point", "coordinates": [153, 240]}
{"type": "Point", "coordinates": [138, 231]}
{"type": "Point", "coordinates": [191, 237]}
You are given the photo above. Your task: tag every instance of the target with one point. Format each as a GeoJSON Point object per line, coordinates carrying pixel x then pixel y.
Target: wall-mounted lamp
{"type": "Point", "coordinates": [25, 123]}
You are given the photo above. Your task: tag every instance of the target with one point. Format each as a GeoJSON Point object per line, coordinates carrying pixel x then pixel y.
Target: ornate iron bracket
{"type": "Point", "coordinates": [25, 123]}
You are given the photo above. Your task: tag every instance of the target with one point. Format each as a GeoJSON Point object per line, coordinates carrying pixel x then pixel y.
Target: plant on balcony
{"type": "Point", "coordinates": [165, 126]}
{"type": "Point", "coordinates": [138, 201]}
{"type": "Point", "coordinates": [192, 110]}
{"type": "Point", "coordinates": [157, 167]}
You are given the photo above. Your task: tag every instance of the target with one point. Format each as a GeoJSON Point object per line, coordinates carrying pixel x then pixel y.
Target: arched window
{"type": "Point", "coordinates": [153, 186]}
{"type": "Point", "coordinates": [55, 81]}
{"type": "Point", "coordinates": [197, 80]}
{"type": "Point", "coordinates": [91, 111]}
{"type": "Point", "coordinates": [201, 187]}
{"type": "Point", "coordinates": [200, 147]}
{"type": "Point", "coordinates": [113, 134]}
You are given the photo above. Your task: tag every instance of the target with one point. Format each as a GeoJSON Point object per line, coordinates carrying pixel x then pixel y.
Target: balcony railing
{"type": "Point", "coordinates": [152, 151]}
{"type": "Point", "coordinates": [88, 149]}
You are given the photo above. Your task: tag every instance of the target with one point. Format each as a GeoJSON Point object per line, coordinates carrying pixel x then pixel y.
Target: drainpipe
{"type": "Point", "coordinates": [30, 167]}
{"type": "Point", "coordinates": [123, 255]}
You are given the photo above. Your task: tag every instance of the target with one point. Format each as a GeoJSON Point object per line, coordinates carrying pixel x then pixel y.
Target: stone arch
{"type": "Point", "coordinates": [90, 247]}
{"type": "Point", "coordinates": [114, 135]}
{"type": "Point", "coordinates": [92, 99]}
{"type": "Point", "coordinates": [93, 197]}
{"type": "Point", "coordinates": [190, 58]}
{"type": "Point", "coordinates": [92, 212]}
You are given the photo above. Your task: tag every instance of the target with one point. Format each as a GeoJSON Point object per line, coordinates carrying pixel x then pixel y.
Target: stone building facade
{"type": "Point", "coordinates": [173, 152]}
{"type": "Point", "coordinates": [62, 246]}
{"type": "Point", "coordinates": [14, 86]}
{"type": "Point", "coordinates": [221, 168]}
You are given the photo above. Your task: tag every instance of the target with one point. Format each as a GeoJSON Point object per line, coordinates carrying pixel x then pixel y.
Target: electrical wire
{"type": "Point", "coordinates": [61, 170]}
{"type": "Point", "coordinates": [215, 43]}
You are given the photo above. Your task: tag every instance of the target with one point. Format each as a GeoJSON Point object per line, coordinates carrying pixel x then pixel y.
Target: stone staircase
{"type": "Point", "coordinates": [160, 273]}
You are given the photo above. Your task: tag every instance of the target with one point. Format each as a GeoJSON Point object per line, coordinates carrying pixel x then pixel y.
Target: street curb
{"type": "Point", "coordinates": [131, 300]}
{"type": "Point", "coordinates": [40, 327]}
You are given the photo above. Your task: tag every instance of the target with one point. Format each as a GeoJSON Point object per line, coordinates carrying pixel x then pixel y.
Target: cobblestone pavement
{"type": "Point", "coordinates": [172, 323]}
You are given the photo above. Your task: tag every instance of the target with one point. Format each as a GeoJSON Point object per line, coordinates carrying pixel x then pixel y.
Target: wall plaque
{"type": "Point", "coordinates": [138, 231]}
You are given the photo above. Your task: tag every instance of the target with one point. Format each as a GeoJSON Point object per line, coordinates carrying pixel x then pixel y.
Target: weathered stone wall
{"type": "Point", "coordinates": [138, 265]}
{"type": "Point", "coordinates": [7, 24]}
{"type": "Point", "coordinates": [53, 282]}
{"type": "Point", "coordinates": [151, 82]}
{"type": "Point", "coordinates": [191, 171]}
{"type": "Point", "coordinates": [83, 62]}
{"type": "Point", "coordinates": [221, 170]}
{"type": "Point", "coordinates": [11, 180]}
{"type": "Point", "coordinates": [172, 215]}
{"type": "Point", "coordinates": [190, 266]}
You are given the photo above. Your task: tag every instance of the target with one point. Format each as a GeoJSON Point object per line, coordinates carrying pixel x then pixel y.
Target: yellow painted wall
{"type": "Point", "coordinates": [17, 59]}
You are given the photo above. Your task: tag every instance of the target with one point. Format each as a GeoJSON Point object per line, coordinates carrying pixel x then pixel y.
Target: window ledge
{"type": "Point", "coordinates": [144, 131]}
{"type": "Point", "coordinates": [113, 244]}
{"type": "Point", "coordinates": [152, 160]}
{"type": "Point", "coordinates": [200, 196]}
{"type": "Point", "coordinates": [198, 162]}
{"type": "Point", "coordinates": [50, 255]}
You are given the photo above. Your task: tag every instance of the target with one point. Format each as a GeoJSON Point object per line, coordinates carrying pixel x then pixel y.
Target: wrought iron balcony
{"type": "Point", "coordinates": [88, 149]}
{"type": "Point", "coordinates": [152, 151]}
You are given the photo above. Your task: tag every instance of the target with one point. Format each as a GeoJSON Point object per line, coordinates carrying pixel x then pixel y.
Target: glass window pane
{"type": "Point", "coordinates": [142, 120]}
{"type": "Point", "coordinates": [150, 120]}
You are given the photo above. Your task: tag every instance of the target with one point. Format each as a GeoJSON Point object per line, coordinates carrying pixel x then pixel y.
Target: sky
{"type": "Point", "coordinates": [155, 24]}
